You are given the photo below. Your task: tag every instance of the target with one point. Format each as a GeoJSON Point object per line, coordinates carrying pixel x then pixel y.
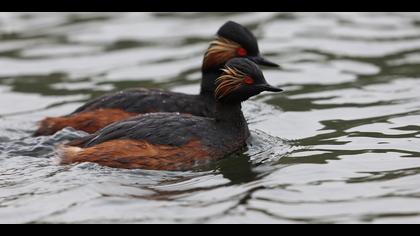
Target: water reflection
{"type": "Point", "coordinates": [340, 145]}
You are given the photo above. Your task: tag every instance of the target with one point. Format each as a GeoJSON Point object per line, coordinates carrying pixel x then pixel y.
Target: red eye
{"type": "Point", "coordinates": [241, 52]}
{"type": "Point", "coordinates": [248, 80]}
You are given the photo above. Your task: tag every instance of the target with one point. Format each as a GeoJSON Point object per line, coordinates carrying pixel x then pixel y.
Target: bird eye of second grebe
{"type": "Point", "coordinates": [241, 52]}
{"type": "Point", "coordinates": [248, 80]}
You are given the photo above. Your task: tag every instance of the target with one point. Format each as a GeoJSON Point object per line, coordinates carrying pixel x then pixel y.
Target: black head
{"type": "Point", "coordinates": [241, 35]}
{"type": "Point", "coordinates": [234, 40]}
{"type": "Point", "coordinates": [241, 79]}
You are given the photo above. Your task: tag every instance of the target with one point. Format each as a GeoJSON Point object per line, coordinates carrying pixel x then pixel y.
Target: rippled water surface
{"type": "Point", "coordinates": [341, 145]}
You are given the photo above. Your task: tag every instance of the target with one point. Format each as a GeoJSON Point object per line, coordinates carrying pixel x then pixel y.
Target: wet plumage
{"type": "Point", "coordinates": [173, 141]}
{"type": "Point", "coordinates": [230, 37]}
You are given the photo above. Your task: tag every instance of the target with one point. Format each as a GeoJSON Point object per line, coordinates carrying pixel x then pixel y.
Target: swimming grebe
{"type": "Point", "coordinates": [173, 141]}
{"type": "Point", "coordinates": [233, 40]}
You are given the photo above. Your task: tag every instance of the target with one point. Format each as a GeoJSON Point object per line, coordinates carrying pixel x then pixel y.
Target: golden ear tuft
{"type": "Point", "coordinates": [231, 80]}
{"type": "Point", "coordinates": [219, 52]}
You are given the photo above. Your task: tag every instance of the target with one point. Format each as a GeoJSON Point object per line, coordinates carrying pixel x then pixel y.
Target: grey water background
{"type": "Point", "coordinates": [341, 145]}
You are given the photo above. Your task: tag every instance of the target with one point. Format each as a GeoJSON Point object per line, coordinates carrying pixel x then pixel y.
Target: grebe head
{"type": "Point", "coordinates": [240, 80]}
{"type": "Point", "coordinates": [233, 40]}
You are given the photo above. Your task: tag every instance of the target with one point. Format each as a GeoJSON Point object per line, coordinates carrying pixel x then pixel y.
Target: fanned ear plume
{"type": "Point", "coordinates": [219, 52]}
{"type": "Point", "coordinates": [229, 81]}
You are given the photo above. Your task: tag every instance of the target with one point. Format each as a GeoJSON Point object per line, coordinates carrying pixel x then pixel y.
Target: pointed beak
{"type": "Point", "coordinates": [264, 62]}
{"type": "Point", "coordinates": [269, 88]}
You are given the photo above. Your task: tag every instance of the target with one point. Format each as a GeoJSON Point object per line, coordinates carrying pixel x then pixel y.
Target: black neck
{"type": "Point", "coordinates": [208, 80]}
{"type": "Point", "coordinates": [229, 112]}
{"type": "Point", "coordinates": [231, 119]}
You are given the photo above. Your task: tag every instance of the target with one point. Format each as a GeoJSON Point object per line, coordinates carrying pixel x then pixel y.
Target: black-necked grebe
{"type": "Point", "coordinates": [173, 141]}
{"type": "Point", "coordinates": [233, 40]}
